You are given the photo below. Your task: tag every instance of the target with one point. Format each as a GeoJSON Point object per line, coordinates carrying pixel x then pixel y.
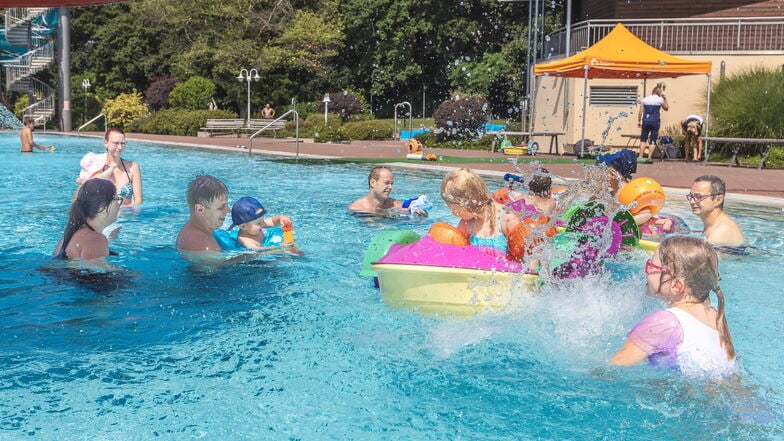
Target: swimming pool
{"type": "Point", "coordinates": [303, 348]}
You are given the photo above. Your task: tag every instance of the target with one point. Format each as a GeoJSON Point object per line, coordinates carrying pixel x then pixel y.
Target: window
{"type": "Point", "coordinates": [621, 96]}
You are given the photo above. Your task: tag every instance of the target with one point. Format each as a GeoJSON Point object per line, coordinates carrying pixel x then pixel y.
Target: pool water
{"type": "Point", "coordinates": [304, 348]}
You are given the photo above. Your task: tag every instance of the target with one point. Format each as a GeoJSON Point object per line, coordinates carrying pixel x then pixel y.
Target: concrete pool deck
{"type": "Point", "coordinates": [763, 187]}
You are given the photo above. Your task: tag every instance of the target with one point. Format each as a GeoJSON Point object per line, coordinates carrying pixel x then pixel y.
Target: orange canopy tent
{"type": "Point", "coordinates": [621, 55]}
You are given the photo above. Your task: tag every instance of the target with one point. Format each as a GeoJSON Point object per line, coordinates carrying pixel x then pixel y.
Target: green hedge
{"type": "Point", "coordinates": [367, 130]}
{"type": "Point", "coordinates": [178, 121]}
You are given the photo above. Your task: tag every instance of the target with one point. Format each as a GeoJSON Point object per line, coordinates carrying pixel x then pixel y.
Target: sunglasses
{"type": "Point", "coordinates": [699, 197]}
{"type": "Point", "coordinates": [117, 143]}
{"type": "Point", "coordinates": [119, 200]}
{"type": "Point", "coordinates": [651, 268]}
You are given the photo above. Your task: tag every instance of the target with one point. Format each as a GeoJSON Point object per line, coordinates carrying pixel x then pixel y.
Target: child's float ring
{"type": "Point", "coordinates": [515, 241]}
{"type": "Point", "coordinates": [414, 146]}
{"type": "Point", "coordinates": [448, 235]}
{"type": "Point", "coordinates": [646, 192]}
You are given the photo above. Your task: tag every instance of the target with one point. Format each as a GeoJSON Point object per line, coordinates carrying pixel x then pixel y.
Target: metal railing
{"type": "Point", "coordinates": [28, 64]}
{"type": "Point", "coordinates": [396, 135]}
{"type": "Point", "coordinates": [752, 35]}
{"type": "Point", "coordinates": [105, 123]}
{"type": "Point", "coordinates": [271, 123]}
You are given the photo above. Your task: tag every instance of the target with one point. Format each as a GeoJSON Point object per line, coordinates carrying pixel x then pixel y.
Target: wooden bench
{"type": "Point", "coordinates": [255, 125]}
{"type": "Point", "coordinates": [222, 127]}
{"type": "Point", "coordinates": [764, 143]}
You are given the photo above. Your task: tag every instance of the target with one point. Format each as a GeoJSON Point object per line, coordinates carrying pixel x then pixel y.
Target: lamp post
{"type": "Point", "coordinates": [247, 75]}
{"type": "Point", "coordinates": [326, 105]}
{"type": "Point", "coordinates": [86, 86]}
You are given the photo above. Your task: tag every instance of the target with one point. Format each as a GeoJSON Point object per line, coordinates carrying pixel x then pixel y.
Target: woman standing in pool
{"type": "Point", "coordinates": [690, 335]}
{"type": "Point", "coordinates": [125, 175]}
{"type": "Point", "coordinates": [95, 207]}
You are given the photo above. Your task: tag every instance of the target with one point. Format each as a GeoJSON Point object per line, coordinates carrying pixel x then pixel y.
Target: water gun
{"type": "Point", "coordinates": [418, 203]}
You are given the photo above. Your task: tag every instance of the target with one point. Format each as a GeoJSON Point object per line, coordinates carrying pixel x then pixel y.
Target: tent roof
{"type": "Point", "coordinates": [621, 55]}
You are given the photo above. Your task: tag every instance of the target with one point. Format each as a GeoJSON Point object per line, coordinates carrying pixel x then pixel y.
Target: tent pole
{"type": "Point", "coordinates": [532, 108]}
{"type": "Point", "coordinates": [707, 120]}
{"type": "Point", "coordinates": [585, 101]}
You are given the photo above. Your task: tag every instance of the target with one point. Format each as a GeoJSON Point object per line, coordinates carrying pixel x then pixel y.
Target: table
{"type": "Point", "coordinates": [632, 140]}
{"type": "Point", "coordinates": [766, 144]}
{"type": "Point", "coordinates": [527, 135]}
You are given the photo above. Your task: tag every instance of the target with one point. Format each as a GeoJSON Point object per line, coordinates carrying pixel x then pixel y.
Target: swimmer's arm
{"type": "Point", "coordinates": [630, 354]}
{"type": "Point", "coordinates": [280, 219]}
{"type": "Point", "coordinates": [136, 172]}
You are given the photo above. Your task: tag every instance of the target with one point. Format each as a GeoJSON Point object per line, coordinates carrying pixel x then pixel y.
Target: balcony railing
{"type": "Point", "coordinates": [680, 36]}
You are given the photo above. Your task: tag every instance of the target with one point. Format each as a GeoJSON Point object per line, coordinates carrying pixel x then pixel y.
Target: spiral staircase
{"type": "Point", "coordinates": [28, 33]}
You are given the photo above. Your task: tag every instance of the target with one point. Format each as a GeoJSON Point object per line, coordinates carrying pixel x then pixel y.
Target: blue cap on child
{"type": "Point", "coordinates": [246, 209]}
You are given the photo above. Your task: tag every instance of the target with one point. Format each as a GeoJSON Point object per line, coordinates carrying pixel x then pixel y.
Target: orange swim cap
{"type": "Point", "coordinates": [646, 192]}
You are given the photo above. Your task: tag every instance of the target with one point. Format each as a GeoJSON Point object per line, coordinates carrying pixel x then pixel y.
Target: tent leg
{"type": "Point", "coordinates": [585, 104]}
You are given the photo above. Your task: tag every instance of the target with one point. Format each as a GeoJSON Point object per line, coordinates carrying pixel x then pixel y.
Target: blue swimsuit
{"type": "Point", "coordinates": [126, 190]}
{"type": "Point", "coordinates": [495, 242]}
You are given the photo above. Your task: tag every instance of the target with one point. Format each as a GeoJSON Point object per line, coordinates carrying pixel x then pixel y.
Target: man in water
{"type": "Point", "coordinates": [26, 136]}
{"type": "Point", "coordinates": [378, 201]}
{"type": "Point", "coordinates": [707, 201]}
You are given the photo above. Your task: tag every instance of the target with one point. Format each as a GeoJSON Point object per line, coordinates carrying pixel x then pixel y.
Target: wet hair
{"type": "Point", "coordinates": [375, 173]}
{"type": "Point", "coordinates": [93, 197]}
{"type": "Point", "coordinates": [717, 186]}
{"type": "Point", "coordinates": [540, 183]}
{"type": "Point", "coordinates": [111, 130]}
{"type": "Point", "coordinates": [465, 188]}
{"type": "Point", "coordinates": [697, 263]}
{"type": "Point", "coordinates": [205, 189]}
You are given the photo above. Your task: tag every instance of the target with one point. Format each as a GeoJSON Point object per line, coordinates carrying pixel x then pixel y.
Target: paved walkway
{"type": "Point", "coordinates": [744, 184]}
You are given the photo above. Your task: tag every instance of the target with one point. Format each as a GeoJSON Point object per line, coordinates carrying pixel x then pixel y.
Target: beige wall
{"type": "Point", "coordinates": [559, 101]}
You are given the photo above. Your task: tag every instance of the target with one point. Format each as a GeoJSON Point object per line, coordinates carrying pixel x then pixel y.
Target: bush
{"type": "Point", "coordinates": [344, 104]}
{"type": "Point", "coordinates": [178, 121]}
{"type": "Point", "coordinates": [367, 130]}
{"type": "Point", "coordinates": [157, 95]}
{"type": "Point", "coordinates": [125, 109]}
{"type": "Point", "coordinates": [461, 118]}
{"type": "Point", "coordinates": [749, 105]}
{"type": "Point", "coordinates": [194, 94]}
{"type": "Point", "coordinates": [313, 127]}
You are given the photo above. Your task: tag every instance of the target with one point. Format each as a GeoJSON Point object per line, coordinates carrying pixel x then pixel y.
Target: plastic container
{"type": "Point", "coordinates": [288, 234]}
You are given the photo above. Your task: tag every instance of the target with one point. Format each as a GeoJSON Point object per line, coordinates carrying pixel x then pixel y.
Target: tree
{"type": "Point", "coordinates": [194, 94]}
{"type": "Point", "coordinates": [125, 109]}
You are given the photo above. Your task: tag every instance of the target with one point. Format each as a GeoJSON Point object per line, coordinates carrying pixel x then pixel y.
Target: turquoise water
{"type": "Point", "coordinates": [303, 348]}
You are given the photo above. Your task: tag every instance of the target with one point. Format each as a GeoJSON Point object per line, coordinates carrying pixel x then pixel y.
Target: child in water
{"type": "Point", "coordinates": [483, 220]}
{"type": "Point", "coordinates": [248, 214]}
{"type": "Point", "coordinates": [690, 335]}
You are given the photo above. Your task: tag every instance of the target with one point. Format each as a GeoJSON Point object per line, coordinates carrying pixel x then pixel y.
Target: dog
{"type": "Point", "coordinates": [692, 130]}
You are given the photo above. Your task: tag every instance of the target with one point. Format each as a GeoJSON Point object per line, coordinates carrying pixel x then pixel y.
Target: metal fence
{"type": "Point", "coordinates": [680, 36]}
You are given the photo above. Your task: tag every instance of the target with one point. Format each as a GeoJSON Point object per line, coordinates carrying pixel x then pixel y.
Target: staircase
{"type": "Point", "coordinates": [24, 28]}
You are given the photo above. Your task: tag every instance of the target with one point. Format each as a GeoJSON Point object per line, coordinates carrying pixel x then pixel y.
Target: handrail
{"type": "Point", "coordinates": [410, 118]}
{"type": "Point", "coordinates": [105, 122]}
{"type": "Point", "coordinates": [296, 131]}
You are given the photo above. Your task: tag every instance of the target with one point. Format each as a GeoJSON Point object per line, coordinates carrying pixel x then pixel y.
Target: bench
{"type": "Point", "coordinates": [255, 125]}
{"type": "Point", "coordinates": [222, 127]}
{"type": "Point", "coordinates": [765, 143]}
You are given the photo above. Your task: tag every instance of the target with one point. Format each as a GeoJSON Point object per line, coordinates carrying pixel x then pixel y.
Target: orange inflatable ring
{"type": "Point", "coordinates": [448, 235]}
{"type": "Point", "coordinates": [414, 146]}
{"type": "Point", "coordinates": [542, 220]}
{"type": "Point", "coordinates": [648, 194]}
{"type": "Point", "coordinates": [515, 241]}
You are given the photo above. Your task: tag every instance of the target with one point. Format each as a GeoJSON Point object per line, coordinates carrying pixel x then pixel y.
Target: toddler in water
{"type": "Point", "coordinates": [690, 335]}
{"type": "Point", "coordinates": [485, 221]}
{"type": "Point", "coordinates": [248, 214]}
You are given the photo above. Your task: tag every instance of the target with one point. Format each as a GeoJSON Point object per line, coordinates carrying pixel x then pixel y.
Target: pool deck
{"type": "Point", "coordinates": [744, 184]}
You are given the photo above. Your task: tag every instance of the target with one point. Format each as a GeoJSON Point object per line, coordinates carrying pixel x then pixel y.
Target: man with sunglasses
{"type": "Point", "coordinates": [707, 201]}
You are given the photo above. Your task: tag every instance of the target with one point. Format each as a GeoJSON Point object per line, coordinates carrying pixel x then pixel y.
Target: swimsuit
{"type": "Point", "coordinates": [126, 190]}
{"type": "Point", "coordinates": [674, 338]}
{"type": "Point", "coordinates": [496, 242]}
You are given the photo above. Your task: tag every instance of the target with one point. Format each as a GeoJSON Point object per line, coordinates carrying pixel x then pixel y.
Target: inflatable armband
{"type": "Point", "coordinates": [646, 192]}
{"type": "Point", "coordinates": [502, 196]}
{"type": "Point", "coordinates": [515, 241]}
{"type": "Point", "coordinates": [447, 234]}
